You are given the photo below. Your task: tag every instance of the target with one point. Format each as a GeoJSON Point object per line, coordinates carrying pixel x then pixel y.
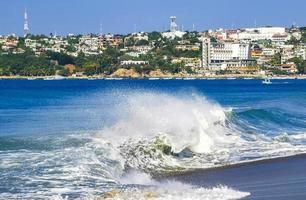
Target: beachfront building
{"type": "Point", "coordinates": [194, 63]}
{"type": "Point", "coordinates": [289, 68]}
{"type": "Point", "coordinates": [220, 55]}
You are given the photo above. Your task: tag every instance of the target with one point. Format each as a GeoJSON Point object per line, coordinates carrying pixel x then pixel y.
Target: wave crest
{"type": "Point", "coordinates": [157, 132]}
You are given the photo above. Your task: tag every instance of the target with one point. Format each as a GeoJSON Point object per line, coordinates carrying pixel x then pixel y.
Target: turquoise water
{"type": "Point", "coordinates": [81, 138]}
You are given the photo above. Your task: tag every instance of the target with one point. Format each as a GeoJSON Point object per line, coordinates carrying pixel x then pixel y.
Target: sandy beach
{"type": "Point", "coordinates": [276, 179]}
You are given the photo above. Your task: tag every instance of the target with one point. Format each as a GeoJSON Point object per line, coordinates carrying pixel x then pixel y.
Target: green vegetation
{"type": "Point", "coordinates": [65, 56]}
{"type": "Point", "coordinates": [303, 30]}
{"type": "Point", "coordinates": [276, 60]}
{"type": "Point", "coordinates": [47, 64]}
{"type": "Point", "coordinates": [26, 65]}
{"type": "Point", "coordinates": [300, 63]}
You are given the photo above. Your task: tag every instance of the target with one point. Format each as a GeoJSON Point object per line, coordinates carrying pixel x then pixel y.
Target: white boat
{"type": "Point", "coordinates": [267, 81]}
{"type": "Point", "coordinates": [56, 77]}
{"type": "Point", "coordinates": [49, 79]}
{"type": "Point", "coordinates": [31, 79]}
{"type": "Point", "coordinates": [153, 79]}
{"type": "Point", "coordinates": [231, 78]}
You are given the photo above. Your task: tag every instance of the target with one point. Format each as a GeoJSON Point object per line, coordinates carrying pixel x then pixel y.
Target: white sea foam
{"type": "Point", "coordinates": [166, 190]}
{"type": "Point", "coordinates": [174, 191]}
{"type": "Point", "coordinates": [155, 125]}
{"type": "Point", "coordinates": [190, 123]}
{"type": "Point", "coordinates": [155, 133]}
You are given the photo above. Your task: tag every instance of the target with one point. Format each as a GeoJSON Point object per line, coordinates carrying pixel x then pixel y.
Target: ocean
{"type": "Point", "coordinates": [152, 139]}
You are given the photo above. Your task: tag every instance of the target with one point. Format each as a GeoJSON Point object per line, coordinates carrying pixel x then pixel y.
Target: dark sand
{"type": "Point", "coordinates": [277, 179]}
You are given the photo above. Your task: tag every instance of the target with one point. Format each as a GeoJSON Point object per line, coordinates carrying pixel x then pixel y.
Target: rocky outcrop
{"type": "Point", "coordinates": [157, 74]}
{"type": "Point", "coordinates": [126, 73]}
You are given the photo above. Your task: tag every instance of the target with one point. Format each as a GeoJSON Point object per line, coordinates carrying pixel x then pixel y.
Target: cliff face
{"type": "Point", "coordinates": [126, 73]}
{"type": "Point", "coordinates": [131, 73]}
{"type": "Point", "coordinates": [157, 74]}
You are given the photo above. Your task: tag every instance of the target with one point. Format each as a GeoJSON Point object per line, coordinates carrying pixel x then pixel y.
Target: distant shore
{"type": "Point", "coordinates": [177, 77]}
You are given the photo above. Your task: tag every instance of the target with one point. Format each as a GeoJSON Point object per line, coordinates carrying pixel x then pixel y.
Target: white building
{"type": "Point", "coordinates": [133, 62]}
{"type": "Point", "coordinates": [215, 55]}
{"type": "Point", "coordinates": [268, 51]}
{"type": "Point", "coordinates": [144, 49]}
{"type": "Point", "coordinates": [173, 30]}
{"type": "Point", "coordinates": [301, 53]}
{"type": "Point", "coordinates": [275, 34]}
{"type": "Point", "coordinates": [267, 30]}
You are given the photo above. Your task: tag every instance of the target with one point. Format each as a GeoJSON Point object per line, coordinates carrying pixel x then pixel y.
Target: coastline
{"type": "Point", "coordinates": [232, 166]}
{"type": "Point", "coordinates": [172, 77]}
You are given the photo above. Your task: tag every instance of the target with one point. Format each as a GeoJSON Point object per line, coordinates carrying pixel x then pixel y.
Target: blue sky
{"type": "Point", "coordinates": [120, 16]}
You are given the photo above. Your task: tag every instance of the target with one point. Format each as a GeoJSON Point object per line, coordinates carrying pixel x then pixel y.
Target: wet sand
{"type": "Point", "coordinates": [277, 179]}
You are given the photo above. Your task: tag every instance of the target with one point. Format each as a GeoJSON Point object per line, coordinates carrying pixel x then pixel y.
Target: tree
{"type": "Point", "coordinates": [276, 60]}
{"type": "Point", "coordinates": [142, 42]}
{"type": "Point", "coordinates": [154, 36]}
{"type": "Point", "coordinates": [61, 58]}
{"type": "Point", "coordinates": [293, 41]}
{"type": "Point", "coordinates": [91, 67]}
{"type": "Point", "coordinates": [300, 63]}
{"type": "Point", "coordinates": [130, 42]}
{"type": "Point", "coordinates": [303, 30]}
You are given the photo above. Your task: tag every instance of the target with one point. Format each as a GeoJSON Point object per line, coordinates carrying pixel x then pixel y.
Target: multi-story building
{"type": "Point", "coordinates": [219, 55]}
{"type": "Point", "coordinates": [195, 47]}
{"type": "Point", "coordinates": [277, 35]}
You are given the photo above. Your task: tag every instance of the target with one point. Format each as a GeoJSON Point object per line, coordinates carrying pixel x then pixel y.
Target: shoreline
{"type": "Point", "coordinates": [230, 166]}
{"type": "Point", "coordinates": [275, 179]}
{"type": "Point", "coordinates": [216, 77]}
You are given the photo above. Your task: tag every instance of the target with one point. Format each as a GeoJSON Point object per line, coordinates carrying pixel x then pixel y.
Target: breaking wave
{"type": "Point", "coordinates": [167, 133]}
{"type": "Point", "coordinates": [155, 133]}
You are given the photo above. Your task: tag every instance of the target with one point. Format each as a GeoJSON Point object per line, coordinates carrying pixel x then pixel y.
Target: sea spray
{"type": "Point", "coordinates": [153, 133]}
{"type": "Point", "coordinates": [190, 123]}
{"type": "Point", "coordinates": [158, 132]}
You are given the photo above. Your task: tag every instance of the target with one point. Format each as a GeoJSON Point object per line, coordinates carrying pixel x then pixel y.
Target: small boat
{"type": "Point", "coordinates": [54, 78]}
{"type": "Point", "coordinates": [49, 79]}
{"type": "Point", "coordinates": [231, 78]}
{"type": "Point", "coordinates": [153, 79]}
{"type": "Point", "coordinates": [267, 81]}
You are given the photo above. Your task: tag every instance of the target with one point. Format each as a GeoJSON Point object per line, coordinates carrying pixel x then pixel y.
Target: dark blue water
{"type": "Point", "coordinates": [56, 107]}
{"type": "Point", "coordinates": [48, 128]}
